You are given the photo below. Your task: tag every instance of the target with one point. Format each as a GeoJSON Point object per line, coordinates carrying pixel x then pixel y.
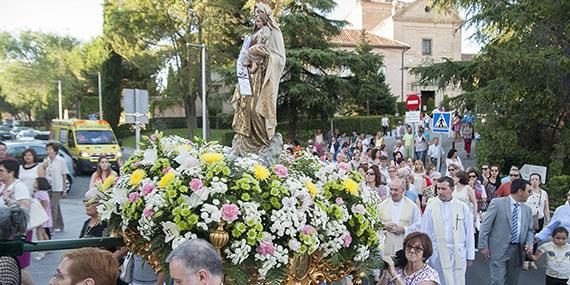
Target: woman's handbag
{"type": "Point", "coordinates": [38, 215]}
{"type": "Point", "coordinates": [535, 224]}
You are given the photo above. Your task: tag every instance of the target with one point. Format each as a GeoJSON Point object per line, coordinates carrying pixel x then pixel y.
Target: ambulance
{"type": "Point", "coordinates": [87, 141]}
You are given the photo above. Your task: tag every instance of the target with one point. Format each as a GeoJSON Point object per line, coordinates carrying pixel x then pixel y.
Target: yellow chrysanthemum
{"type": "Point", "coordinates": [212, 157]}
{"type": "Point", "coordinates": [312, 188]}
{"type": "Point", "coordinates": [351, 186]}
{"type": "Point", "coordinates": [260, 172]}
{"type": "Point", "coordinates": [166, 179]}
{"type": "Point", "coordinates": [108, 182]}
{"type": "Point", "coordinates": [137, 176]}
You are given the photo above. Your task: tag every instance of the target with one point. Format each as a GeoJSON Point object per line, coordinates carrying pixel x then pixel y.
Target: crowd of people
{"type": "Point", "coordinates": [436, 215]}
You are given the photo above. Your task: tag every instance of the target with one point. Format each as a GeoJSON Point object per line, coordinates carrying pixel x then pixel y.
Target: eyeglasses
{"type": "Point", "coordinates": [90, 202]}
{"type": "Point", "coordinates": [415, 248]}
{"type": "Point", "coordinates": [391, 170]}
{"type": "Point", "coordinates": [58, 275]}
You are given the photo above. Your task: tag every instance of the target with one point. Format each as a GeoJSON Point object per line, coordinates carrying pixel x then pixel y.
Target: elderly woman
{"type": "Point", "coordinates": [13, 222]}
{"type": "Point", "coordinates": [415, 271]}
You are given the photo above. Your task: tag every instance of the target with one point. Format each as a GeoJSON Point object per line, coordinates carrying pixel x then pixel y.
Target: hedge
{"type": "Point", "coordinates": [221, 121]}
{"type": "Point", "coordinates": [363, 124]}
{"type": "Point", "coordinates": [558, 187]}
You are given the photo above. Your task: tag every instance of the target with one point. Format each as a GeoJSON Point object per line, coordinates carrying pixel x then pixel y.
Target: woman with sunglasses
{"type": "Point", "coordinates": [415, 270]}
{"type": "Point", "coordinates": [453, 158]}
{"type": "Point", "coordinates": [93, 227]}
{"type": "Point", "coordinates": [492, 182]}
{"type": "Point", "coordinates": [376, 181]}
{"type": "Point", "coordinates": [464, 192]}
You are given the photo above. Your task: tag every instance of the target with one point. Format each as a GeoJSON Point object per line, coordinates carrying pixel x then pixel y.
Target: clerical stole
{"type": "Point", "coordinates": [444, 257]}
{"type": "Point", "coordinates": [394, 242]}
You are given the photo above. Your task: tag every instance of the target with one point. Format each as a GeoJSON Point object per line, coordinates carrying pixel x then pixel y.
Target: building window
{"type": "Point", "coordinates": [426, 47]}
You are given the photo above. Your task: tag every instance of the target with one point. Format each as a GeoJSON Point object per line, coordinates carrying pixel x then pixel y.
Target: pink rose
{"type": "Point", "coordinates": [339, 201]}
{"type": "Point", "coordinates": [308, 229]}
{"type": "Point", "coordinates": [134, 196]}
{"type": "Point", "coordinates": [195, 184]}
{"type": "Point", "coordinates": [280, 170]}
{"type": "Point", "coordinates": [147, 189]}
{"type": "Point", "coordinates": [166, 170]}
{"type": "Point", "coordinates": [266, 248]}
{"type": "Point", "coordinates": [148, 212]}
{"type": "Point", "coordinates": [230, 212]}
{"type": "Point", "coordinates": [344, 166]}
{"type": "Point", "coordinates": [347, 239]}
{"type": "Point", "coordinates": [152, 138]}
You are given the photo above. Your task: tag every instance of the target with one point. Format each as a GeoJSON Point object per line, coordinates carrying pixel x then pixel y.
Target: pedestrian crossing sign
{"type": "Point", "coordinates": [441, 122]}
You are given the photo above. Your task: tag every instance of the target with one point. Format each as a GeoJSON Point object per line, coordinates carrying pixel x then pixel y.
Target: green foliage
{"type": "Point", "coordinates": [519, 84]}
{"type": "Point", "coordinates": [31, 61]}
{"type": "Point", "coordinates": [152, 36]}
{"type": "Point", "coordinates": [111, 76]}
{"type": "Point", "coordinates": [558, 187]}
{"type": "Point", "coordinates": [236, 274]}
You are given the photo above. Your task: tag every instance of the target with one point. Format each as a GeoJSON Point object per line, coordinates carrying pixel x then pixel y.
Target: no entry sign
{"type": "Point", "coordinates": [413, 102]}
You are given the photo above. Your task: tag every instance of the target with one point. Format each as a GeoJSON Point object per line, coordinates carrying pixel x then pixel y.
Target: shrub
{"type": "Point", "coordinates": [363, 124]}
{"type": "Point", "coordinates": [557, 187]}
{"type": "Point", "coordinates": [220, 121]}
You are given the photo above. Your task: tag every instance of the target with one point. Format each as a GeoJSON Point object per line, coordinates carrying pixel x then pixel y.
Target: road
{"type": "Point", "coordinates": [74, 216]}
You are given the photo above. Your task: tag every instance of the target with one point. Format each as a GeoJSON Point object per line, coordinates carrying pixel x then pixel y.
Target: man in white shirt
{"type": "Point", "coordinates": [435, 152]}
{"type": "Point", "coordinates": [55, 170]}
{"type": "Point", "coordinates": [400, 215]}
{"type": "Point", "coordinates": [386, 125]}
{"type": "Point", "coordinates": [449, 224]}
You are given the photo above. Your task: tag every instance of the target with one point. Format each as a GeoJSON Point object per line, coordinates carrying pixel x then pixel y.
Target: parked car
{"type": "Point", "coordinates": [15, 149]}
{"type": "Point", "coordinates": [42, 135]}
{"type": "Point", "coordinates": [27, 134]}
{"type": "Point", "coordinates": [16, 130]}
{"type": "Point", "coordinates": [5, 133]}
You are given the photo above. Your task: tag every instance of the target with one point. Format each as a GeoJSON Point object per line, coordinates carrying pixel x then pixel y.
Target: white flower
{"type": "Point", "coordinates": [150, 156]}
{"type": "Point", "coordinates": [171, 230]}
{"type": "Point", "coordinates": [178, 241]}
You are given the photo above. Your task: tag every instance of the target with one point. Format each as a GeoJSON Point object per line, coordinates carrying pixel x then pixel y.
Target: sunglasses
{"type": "Point", "coordinates": [485, 168]}
{"type": "Point", "coordinates": [90, 202]}
{"type": "Point", "coordinates": [494, 170]}
{"type": "Point", "coordinates": [451, 169]}
{"type": "Point", "coordinates": [514, 175]}
{"type": "Point", "coordinates": [415, 248]}
{"type": "Point", "coordinates": [370, 173]}
{"type": "Point", "coordinates": [472, 176]}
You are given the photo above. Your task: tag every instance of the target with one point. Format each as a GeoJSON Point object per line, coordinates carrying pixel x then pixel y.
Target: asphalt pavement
{"type": "Point", "coordinates": [74, 217]}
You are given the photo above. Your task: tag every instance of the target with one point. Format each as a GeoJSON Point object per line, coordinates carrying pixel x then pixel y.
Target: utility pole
{"type": "Point", "coordinates": [100, 95]}
{"type": "Point", "coordinates": [59, 100]}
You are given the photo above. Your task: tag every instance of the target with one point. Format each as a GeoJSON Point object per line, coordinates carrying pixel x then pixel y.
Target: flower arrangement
{"type": "Point", "coordinates": [177, 190]}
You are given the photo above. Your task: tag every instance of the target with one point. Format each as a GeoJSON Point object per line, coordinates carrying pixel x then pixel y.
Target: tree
{"type": "Point", "coordinates": [111, 76]}
{"type": "Point", "coordinates": [311, 82]}
{"type": "Point", "coordinates": [30, 62]}
{"type": "Point", "coordinates": [166, 31]}
{"type": "Point", "coordinates": [519, 82]}
{"type": "Point", "coordinates": [368, 81]}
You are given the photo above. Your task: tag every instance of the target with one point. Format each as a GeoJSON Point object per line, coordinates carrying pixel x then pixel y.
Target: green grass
{"type": "Point", "coordinates": [214, 135]}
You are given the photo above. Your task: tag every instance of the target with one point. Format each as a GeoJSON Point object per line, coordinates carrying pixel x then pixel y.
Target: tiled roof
{"type": "Point", "coordinates": [350, 38]}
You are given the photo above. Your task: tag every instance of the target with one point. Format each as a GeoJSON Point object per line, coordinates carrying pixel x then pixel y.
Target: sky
{"type": "Point", "coordinates": [83, 19]}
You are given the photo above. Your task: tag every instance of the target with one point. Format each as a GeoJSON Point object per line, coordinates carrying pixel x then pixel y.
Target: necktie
{"type": "Point", "coordinates": [515, 224]}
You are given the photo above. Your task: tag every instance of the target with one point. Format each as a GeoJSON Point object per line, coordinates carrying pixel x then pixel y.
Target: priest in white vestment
{"type": "Point", "coordinates": [400, 216]}
{"type": "Point", "coordinates": [449, 224]}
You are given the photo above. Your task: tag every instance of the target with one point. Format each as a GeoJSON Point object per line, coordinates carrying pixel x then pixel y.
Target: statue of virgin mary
{"type": "Point", "coordinates": [255, 117]}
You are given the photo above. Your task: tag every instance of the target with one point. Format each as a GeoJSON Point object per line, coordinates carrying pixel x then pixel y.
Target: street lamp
{"type": "Point", "coordinates": [204, 118]}
{"type": "Point", "coordinates": [59, 100]}
{"type": "Point", "coordinates": [99, 90]}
